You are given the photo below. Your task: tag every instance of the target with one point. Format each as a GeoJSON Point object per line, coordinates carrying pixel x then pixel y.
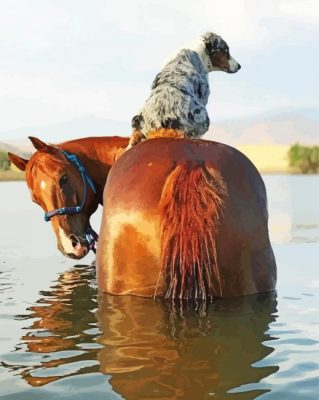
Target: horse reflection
{"type": "Point", "coordinates": [152, 351]}
{"type": "Point", "coordinates": [63, 316]}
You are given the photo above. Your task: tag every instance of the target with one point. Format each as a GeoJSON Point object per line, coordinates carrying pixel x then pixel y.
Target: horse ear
{"type": "Point", "coordinates": [19, 162]}
{"type": "Point", "coordinates": [38, 144]}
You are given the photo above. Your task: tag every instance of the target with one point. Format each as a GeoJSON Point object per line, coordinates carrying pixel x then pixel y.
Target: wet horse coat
{"type": "Point", "coordinates": [185, 219]}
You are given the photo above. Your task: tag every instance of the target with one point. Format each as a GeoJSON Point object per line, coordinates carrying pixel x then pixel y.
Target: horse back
{"type": "Point", "coordinates": [138, 177]}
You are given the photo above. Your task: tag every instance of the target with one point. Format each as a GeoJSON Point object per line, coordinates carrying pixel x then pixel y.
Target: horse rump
{"type": "Point", "coordinates": [191, 204]}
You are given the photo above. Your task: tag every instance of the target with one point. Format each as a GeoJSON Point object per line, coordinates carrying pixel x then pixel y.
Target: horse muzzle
{"type": "Point", "coordinates": [80, 247]}
{"type": "Point", "coordinates": [72, 246]}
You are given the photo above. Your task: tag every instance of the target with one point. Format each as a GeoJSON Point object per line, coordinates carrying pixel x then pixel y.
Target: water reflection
{"type": "Point", "coordinates": [149, 349]}
{"type": "Point", "coordinates": [293, 205]}
{"type": "Point", "coordinates": [152, 351]}
{"type": "Point", "coordinates": [61, 333]}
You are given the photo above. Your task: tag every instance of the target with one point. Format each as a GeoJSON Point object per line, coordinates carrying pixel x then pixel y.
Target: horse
{"type": "Point", "coordinates": [184, 219]}
{"type": "Point", "coordinates": [67, 181]}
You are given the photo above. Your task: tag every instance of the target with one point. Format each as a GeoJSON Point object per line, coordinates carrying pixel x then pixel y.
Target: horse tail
{"type": "Point", "coordinates": [190, 207]}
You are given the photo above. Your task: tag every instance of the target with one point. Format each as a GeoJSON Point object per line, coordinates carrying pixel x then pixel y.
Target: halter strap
{"type": "Point", "coordinates": [92, 237]}
{"type": "Point", "coordinates": [85, 178]}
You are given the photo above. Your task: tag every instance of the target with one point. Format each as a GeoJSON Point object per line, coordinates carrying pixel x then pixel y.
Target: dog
{"type": "Point", "coordinates": [180, 92]}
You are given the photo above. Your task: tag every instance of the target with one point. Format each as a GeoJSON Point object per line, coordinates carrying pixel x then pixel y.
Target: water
{"type": "Point", "coordinates": [60, 340]}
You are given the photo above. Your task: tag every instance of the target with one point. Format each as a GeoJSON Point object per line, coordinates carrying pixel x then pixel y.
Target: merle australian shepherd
{"type": "Point", "coordinates": [179, 93]}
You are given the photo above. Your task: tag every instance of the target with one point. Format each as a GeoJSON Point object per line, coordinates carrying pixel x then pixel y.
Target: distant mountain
{"type": "Point", "coordinates": [23, 151]}
{"type": "Point", "coordinates": [301, 125]}
{"type": "Point", "coordinates": [284, 128]}
{"type": "Point", "coordinates": [63, 131]}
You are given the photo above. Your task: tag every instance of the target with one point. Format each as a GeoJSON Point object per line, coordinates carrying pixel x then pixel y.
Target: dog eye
{"type": "Point", "coordinates": [63, 180]}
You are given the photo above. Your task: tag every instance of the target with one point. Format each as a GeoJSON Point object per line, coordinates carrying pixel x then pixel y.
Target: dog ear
{"type": "Point", "coordinates": [212, 42]}
{"type": "Point", "coordinates": [18, 161]}
{"type": "Point", "coordinates": [208, 36]}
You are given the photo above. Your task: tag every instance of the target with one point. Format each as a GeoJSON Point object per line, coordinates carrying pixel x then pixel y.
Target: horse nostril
{"type": "Point", "coordinates": [75, 240]}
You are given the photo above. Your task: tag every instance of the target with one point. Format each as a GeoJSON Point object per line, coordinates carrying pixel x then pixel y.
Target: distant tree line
{"type": "Point", "coordinates": [4, 161]}
{"type": "Point", "coordinates": [304, 159]}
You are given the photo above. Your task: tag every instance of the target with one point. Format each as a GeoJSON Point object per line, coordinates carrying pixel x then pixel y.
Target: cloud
{"type": "Point", "coordinates": [304, 11]}
{"type": "Point", "coordinates": [61, 60]}
{"type": "Point", "coordinates": [243, 22]}
{"type": "Point", "coordinates": [32, 101]}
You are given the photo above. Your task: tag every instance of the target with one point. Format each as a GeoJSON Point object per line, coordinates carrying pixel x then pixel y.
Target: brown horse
{"type": "Point", "coordinates": [185, 219]}
{"type": "Point", "coordinates": [55, 182]}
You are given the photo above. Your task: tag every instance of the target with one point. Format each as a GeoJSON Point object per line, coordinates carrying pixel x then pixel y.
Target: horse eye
{"type": "Point", "coordinates": [63, 179]}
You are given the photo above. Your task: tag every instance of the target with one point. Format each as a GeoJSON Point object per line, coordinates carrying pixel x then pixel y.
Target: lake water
{"type": "Point", "coordinates": [60, 340]}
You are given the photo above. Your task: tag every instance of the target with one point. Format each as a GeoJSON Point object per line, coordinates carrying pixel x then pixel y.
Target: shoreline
{"type": "Point", "coordinates": [269, 159]}
{"type": "Point", "coordinates": [12, 176]}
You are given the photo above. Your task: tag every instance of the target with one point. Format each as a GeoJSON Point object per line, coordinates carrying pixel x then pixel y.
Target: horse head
{"type": "Point", "coordinates": [56, 183]}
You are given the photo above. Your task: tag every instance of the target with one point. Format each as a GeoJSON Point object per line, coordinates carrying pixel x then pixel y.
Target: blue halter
{"type": "Point", "coordinates": [91, 236]}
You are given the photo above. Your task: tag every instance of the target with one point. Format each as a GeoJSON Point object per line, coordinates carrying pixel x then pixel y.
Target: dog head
{"type": "Point", "coordinates": [217, 54]}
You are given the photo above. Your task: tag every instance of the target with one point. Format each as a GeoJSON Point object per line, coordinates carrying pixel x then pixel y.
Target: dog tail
{"type": "Point", "coordinates": [190, 207]}
{"type": "Point", "coordinates": [137, 122]}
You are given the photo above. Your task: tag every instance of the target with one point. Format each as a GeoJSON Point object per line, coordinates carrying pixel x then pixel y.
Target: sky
{"type": "Point", "coordinates": [67, 59]}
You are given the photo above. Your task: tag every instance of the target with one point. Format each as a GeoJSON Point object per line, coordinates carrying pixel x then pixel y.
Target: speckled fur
{"type": "Point", "coordinates": [180, 92]}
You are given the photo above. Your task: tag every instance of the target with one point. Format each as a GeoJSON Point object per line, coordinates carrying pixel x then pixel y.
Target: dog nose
{"type": "Point", "coordinates": [239, 66]}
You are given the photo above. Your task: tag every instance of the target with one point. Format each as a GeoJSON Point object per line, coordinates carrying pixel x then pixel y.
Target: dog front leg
{"type": "Point", "coordinates": [136, 138]}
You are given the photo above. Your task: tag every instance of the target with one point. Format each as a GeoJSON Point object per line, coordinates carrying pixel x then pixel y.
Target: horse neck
{"type": "Point", "coordinates": [97, 155]}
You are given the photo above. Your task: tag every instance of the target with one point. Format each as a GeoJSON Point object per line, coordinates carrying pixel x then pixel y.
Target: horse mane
{"type": "Point", "coordinates": [190, 207]}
